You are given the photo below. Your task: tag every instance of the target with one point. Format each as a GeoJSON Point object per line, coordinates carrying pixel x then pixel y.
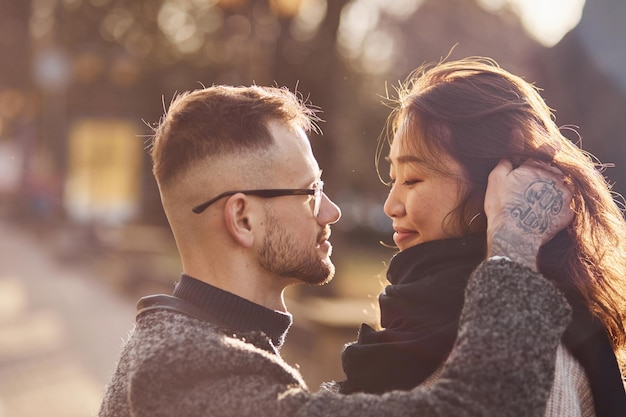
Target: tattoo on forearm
{"type": "Point", "coordinates": [541, 200]}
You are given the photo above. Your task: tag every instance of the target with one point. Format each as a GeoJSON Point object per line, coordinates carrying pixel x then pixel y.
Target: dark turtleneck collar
{"type": "Point", "coordinates": [233, 311]}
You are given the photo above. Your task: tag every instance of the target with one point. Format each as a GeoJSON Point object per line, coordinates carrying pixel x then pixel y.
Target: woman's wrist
{"type": "Point", "coordinates": [515, 247]}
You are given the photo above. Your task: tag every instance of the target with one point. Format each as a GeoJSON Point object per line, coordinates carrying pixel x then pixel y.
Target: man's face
{"type": "Point", "coordinates": [295, 245]}
{"type": "Point", "coordinates": [285, 255]}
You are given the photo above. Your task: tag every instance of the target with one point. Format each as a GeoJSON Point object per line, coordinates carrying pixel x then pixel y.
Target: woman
{"type": "Point", "coordinates": [454, 121]}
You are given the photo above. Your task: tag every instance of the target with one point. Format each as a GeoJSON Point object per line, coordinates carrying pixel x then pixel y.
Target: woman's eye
{"type": "Point", "coordinates": [392, 182]}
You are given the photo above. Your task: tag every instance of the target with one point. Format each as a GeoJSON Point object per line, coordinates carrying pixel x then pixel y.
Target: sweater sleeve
{"type": "Point", "coordinates": [502, 365]}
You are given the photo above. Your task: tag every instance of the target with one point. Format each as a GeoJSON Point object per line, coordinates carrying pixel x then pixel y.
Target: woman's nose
{"type": "Point", "coordinates": [393, 206]}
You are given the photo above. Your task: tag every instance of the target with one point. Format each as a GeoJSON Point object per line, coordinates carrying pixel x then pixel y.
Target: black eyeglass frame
{"type": "Point", "coordinates": [270, 193]}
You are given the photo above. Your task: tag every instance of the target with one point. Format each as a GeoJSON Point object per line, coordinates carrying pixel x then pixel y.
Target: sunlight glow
{"type": "Point", "coordinates": [308, 19]}
{"type": "Point", "coordinates": [371, 49]}
{"type": "Point", "coordinates": [545, 21]}
{"type": "Point", "coordinates": [357, 20]}
{"type": "Point", "coordinates": [178, 23]}
{"type": "Point", "coordinates": [378, 52]}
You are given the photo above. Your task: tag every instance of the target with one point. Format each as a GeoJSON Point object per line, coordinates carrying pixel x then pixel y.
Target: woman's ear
{"type": "Point", "coordinates": [237, 216]}
{"type": "Point", "coordinates": [475, 219]}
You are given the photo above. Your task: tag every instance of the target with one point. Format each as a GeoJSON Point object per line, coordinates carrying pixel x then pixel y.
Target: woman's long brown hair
{"type": "Point", "coordinates": [478, 113]}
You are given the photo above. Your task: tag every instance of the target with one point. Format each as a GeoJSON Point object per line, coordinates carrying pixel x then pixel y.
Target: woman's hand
{"type": "Point", "coordinates": [525, 208]}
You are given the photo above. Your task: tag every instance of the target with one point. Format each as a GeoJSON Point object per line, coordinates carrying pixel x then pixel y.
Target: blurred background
{"type": "Point", "coordinates": [82, 233]}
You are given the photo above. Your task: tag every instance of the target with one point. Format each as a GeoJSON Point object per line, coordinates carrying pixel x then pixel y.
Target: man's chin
{"type": "Point", "coordinates": [325, 275]}
{"type": "Point", "coordinates": [331, 271]}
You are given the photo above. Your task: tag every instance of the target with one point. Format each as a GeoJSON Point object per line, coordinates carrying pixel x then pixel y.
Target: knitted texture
{"type": "Point", "coordinates": [174, 365]}
{"type": "Point", "coordinates": [570, 395]}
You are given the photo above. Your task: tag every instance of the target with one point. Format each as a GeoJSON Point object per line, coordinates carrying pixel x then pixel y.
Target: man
{"type": "Point", "coordinates": [243, 195]}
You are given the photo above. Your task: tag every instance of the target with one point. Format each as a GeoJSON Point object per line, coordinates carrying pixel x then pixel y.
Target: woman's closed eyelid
{"type": "Point", "coordinates": [392, 182]}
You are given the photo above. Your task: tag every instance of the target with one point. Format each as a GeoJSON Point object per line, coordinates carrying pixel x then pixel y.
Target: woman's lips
{"type": "Point", "coordinates": [401, 236]}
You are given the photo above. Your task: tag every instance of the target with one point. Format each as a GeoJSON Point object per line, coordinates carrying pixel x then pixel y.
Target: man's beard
{"type": "Point", "coordinates": [287, 257]}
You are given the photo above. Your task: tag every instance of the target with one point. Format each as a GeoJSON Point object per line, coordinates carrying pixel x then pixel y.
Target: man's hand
{"type": "Point", "coordinates": [525, 208]}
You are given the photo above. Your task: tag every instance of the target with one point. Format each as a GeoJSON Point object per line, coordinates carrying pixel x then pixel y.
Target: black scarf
{"type": "Point", "coordinates": [420, 314]}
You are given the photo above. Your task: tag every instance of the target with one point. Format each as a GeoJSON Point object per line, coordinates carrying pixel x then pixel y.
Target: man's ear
{"type": "Point", "coordinates": [237, 216]}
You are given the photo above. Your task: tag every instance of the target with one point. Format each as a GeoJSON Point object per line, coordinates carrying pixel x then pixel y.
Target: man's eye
{"type": "Point", "coordinates": [411, 182]}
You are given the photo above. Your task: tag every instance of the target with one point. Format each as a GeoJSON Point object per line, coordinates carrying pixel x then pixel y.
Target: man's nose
{"type": "Point", "coordinates": [329, 213]}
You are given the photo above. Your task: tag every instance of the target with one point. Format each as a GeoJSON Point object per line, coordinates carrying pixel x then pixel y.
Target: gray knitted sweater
{"type": "Point", "coordinates": [502, 364]}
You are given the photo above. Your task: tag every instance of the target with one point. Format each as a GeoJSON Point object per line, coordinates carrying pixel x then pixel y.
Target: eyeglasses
{"type": "Point", "coordinates": [316, 192]}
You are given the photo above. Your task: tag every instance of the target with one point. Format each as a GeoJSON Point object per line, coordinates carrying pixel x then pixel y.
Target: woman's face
{"type": "Point", "coordinates": [421, 199]}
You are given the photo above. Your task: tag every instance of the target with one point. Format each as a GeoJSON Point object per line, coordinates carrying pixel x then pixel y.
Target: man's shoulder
{"type": "Point", "coordinates": [193, 346]}
{"type": "Point", "coordinates": [170, 329]}
{"type": "Point", "coordinates": [176, 336]}
{"type": "Point", "coordinates": [168, 352]}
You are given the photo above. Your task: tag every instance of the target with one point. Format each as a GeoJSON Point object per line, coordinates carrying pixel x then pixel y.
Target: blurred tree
{"type": "Point", "coordinates": [15, 83]}
{"type": "Point", "coordinates": [128, 56]}
{"type": "Point", "coordinates": [346, 56]}
{"type": "Point", "coordinates": [14, 68]}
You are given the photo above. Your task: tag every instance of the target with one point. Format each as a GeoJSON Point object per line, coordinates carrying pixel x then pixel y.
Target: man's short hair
{"type": "Point", "coordinates": [222, 120]}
